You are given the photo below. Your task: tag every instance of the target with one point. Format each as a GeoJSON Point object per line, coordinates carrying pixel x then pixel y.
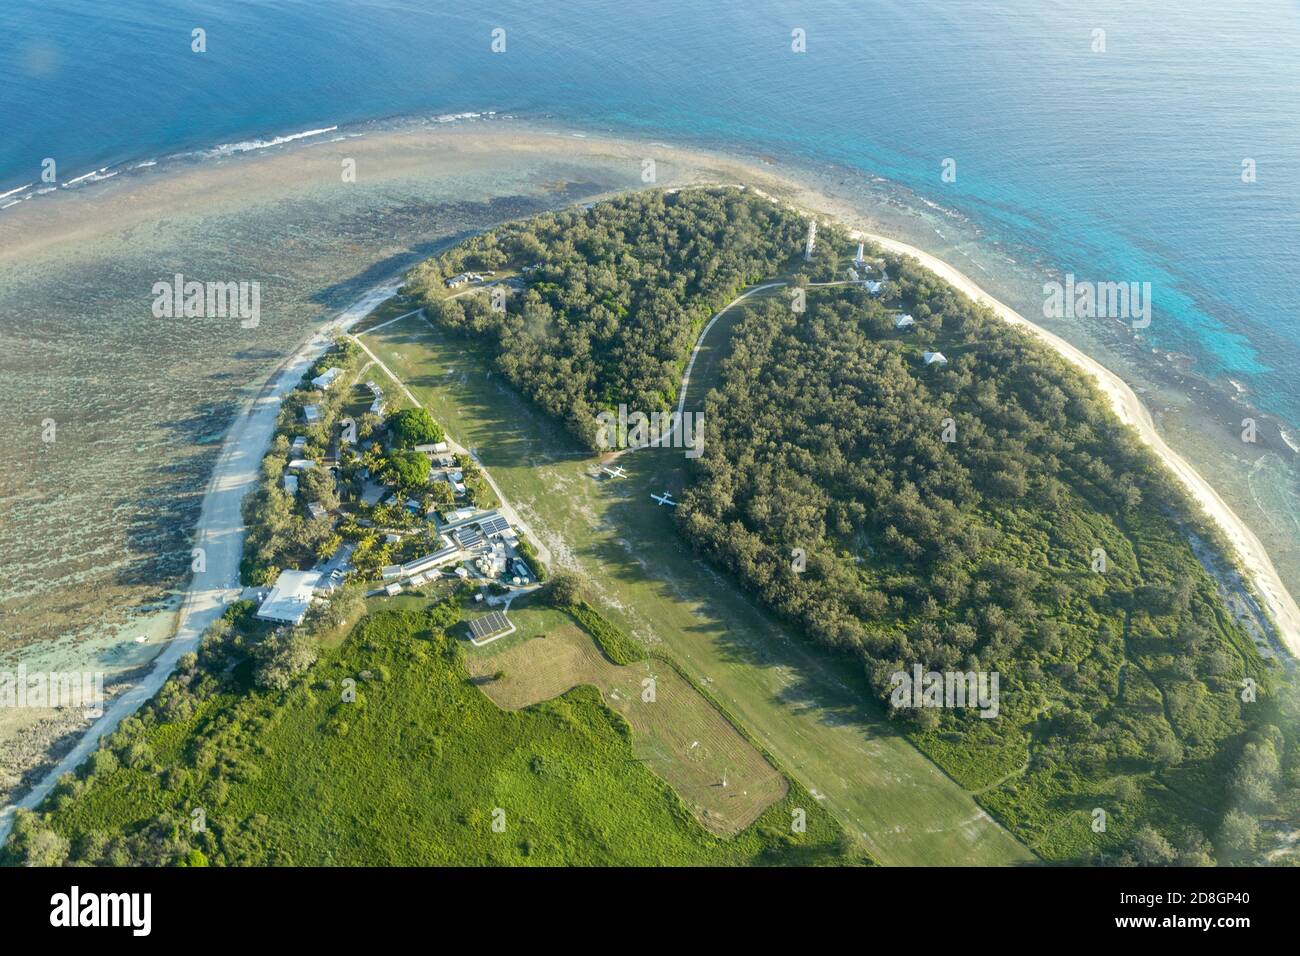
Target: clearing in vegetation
{"type": "Point", "coordinates": [679, 734]}
{"type": "Point", "coordinates": [803, 707]}
{"type": "Point", "coordinates": [419, 769]}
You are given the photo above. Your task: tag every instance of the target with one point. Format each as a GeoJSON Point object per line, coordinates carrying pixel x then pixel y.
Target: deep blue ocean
{"type": "Point", "coordinates": [1121, 165]}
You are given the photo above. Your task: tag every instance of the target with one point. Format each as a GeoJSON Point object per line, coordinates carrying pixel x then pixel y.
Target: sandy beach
{"type": "Point", "coordinates": [534, 168]}
{"type": "Point", "coordinates": [1250, 553]}
{"type": "Point", "coordinates": [220, 533]}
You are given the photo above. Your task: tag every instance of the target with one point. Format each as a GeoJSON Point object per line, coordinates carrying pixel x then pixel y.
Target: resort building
{"type": "Point", "coordinates": [935, 358]}
{"type": "Point", "coordinates": [290, 597]}
{"type": "Point", "coordinates": [903, 321]}
{"type": "Point", "coordinates": [423, 567]}
{"type": "Point", "coordinates": [327, 377]}
{"type": "Point", "coordinates": [311, 414]}
{"type": "Point", "coordinates": [432, 451]}
{"type": "Point", "coordinates": [465, 278]}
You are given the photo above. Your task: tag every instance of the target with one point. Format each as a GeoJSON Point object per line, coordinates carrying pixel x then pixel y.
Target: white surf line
{"type": "Point", "coordinates": [220, 533]}
{"type": "Point", "coordinates": [1129, 409]}
{"type": "Point", "coordinates": [15, 191]}
{"type": "Point", "coordinates": [506, 509]}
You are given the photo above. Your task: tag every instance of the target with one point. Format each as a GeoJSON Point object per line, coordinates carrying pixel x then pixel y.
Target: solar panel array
{"type": "Point", "coordinates": [494, 622]}
{"type": "Point", "coordinates": [468, 537]}
{"type": "Point", "coordinates": [494, 525]}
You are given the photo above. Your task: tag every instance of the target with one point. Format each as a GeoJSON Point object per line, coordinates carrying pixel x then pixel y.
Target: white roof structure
{"type": "Point", "coordinates": [301, 464]}
{"type": "Point", "coordinates": [873, 286]}
{"type": "Point", "coordinates": [933, 358]}
{"type": "Point", "coordinates": [903, 321]}
{"type": "Point", "coordinates": [430, 562]}
{"type": "Point", "coordinates": [291, 484]}
{"type": "Point", "coordinates": [327, 377]}
{"type": "Point", "coordinates": [311, 414]}
{"type": "Point", "coordinates": [290, 597]}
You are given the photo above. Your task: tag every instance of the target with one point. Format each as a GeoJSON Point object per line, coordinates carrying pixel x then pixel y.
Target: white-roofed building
{"type": "Point", "coordinates": [903, 321]}
{"type": "Point", "coordinates": [326, 378]}
{"type": "Point", "coordinates": [290, 597]}
{"type": "Point", "coordinates": [935, 358]}
{"type": "Point", "coordinates": [311, 414]}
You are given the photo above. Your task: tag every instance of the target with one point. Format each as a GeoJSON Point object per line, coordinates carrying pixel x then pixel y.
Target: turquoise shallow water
{"type": "Point", "coordinates": [1115, 165]}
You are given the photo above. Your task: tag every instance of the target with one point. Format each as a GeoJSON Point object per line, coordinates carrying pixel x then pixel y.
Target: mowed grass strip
{"type": "Point", "coordinates": [679, 734]}
{"type": "Point", "coordinates": [423, 769]}
{"type": "Point", "coordinates": [804, 708]}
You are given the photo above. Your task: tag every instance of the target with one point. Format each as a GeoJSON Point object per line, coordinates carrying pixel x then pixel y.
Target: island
{"type": "Point", "coordinates": [469, 631]}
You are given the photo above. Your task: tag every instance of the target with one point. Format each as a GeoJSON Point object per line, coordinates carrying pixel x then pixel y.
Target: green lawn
{"type": "Point", "coordinates": [417, 770]}
{"type": "Point", "coordinates": [804, 708]}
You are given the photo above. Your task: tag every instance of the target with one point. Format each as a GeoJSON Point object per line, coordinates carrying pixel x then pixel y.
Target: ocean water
{"type": "Point", "coordinates": [1122, 165]}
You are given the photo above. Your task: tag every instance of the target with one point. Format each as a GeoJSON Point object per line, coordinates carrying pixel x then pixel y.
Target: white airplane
{"type": "Point", "coordinates": [665, 499]}
{"type": "Point", "coordinates": [614, 472]}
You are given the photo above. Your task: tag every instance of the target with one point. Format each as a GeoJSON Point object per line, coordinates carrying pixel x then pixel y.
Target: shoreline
{"type": "Point", "coordinates": [685, 166]}
{"type": "Point", "coordinates": [1248, 550]}
{"type": "Point", "coordinates": [220, 531]}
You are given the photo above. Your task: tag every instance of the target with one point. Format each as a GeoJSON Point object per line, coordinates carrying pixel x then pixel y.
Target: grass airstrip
{"type": "Point", "coordinates": [805, 710]}
{"type": "Point", "coordinates": [422, 768]}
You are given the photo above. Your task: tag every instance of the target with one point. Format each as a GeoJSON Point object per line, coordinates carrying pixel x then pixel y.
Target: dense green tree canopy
{"type": "Point", "coordinates": [413, 426]}
{"type": "Point", "coordinates": [615, 294]}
